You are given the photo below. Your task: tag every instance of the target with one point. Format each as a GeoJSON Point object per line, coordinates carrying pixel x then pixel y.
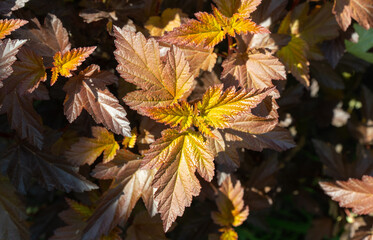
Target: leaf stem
{"type": "Point", "coordinates": [230, 44]}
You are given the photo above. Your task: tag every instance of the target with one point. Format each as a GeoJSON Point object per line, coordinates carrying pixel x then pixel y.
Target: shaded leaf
{"type": "Point", "coordinates": [87, 150]}
{"type": "Point", "coordinates": [66, 62]}
{"type": "Point", "coordinates": [278, 139]}
{"type": "Point", "coordinates": [48, 39]}
{"type": "Point", "coordinates": [23, 162]}
{"type": "Point", "coordinates": [12, 213]}
{"type": "Point", "coordinates": [145, 227]}
{"type": "Point", "coordinates": [177, 156]}
{"type": "Point", "coordinates": [88, 90]}
{"type": "Point", "coordinates": [9, 25]}
{"type": "Point", "coordinates": [365, 43]}
{"type": "Point", "coordinates": [115, 206]}
{"type": "Point", "coordinates": [22, 116]}
{"type": "Point", "coordinates": [29, 69]}
{"type": "Point", "coordinates": [294, 57]}
{"type": "Point", "coordinates": [354, 193]}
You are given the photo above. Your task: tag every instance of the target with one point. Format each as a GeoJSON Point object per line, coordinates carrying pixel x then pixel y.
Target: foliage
{"type": "Point", "coordinates": [160, 119]}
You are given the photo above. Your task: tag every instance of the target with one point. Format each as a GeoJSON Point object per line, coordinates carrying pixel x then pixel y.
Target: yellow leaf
{"type": "Point", "coordinates": [232, 209]}
{"type": "Point", "coordinates": [84, 211]}
{"type": "Point", "coordinates": [69, 61]}
{"type": "Point", "coordinates": [294, 57]}
{"type": "Point", "coordinates": [88, 149]}
{"type": "Point", "coordinates": [177, 156]}
{"type": "Point", "coordinates": [169, 19]}
{"type": "Point", "coordinates": [9, 25]}
{"type": "Point", "coordinates": [210, 29]}
{"type": "Point", "coordinates": [217, 108]}
{"type": "Point", "coordinates": [174, 115]}
{"type": "Point", "coordinates": [129, 142]}
{"type": "Point", "coordinates": [228, 234]}
{"type": "Point", "coordinates": [243, 7]}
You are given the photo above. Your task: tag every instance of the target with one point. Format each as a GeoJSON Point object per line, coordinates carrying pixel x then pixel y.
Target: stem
{"type": "Point", "coordinates": [230, 44]}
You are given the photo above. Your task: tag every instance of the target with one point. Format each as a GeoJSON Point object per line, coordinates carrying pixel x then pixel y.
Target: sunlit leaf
{"type": "Point", "coordinates": [9, 25]}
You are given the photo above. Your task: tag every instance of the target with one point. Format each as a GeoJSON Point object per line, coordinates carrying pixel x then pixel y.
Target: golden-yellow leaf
{"type": "Point", "coordinates": [232, 209]}
{"type": "Point", "coordinates": [69, 61]}
{"type": "Point", "coordinates": [210, 29]}
{"type": "Point", "coordinates": [88, 149]}
{"type": "Point", "coordinates": [217, 108]}
{"type": "Point", "coordinates": [170, 18]}
{"type": "Point", "coordinates": [174, 115]}
{"type": "Point", "coordinates": [9, 25]}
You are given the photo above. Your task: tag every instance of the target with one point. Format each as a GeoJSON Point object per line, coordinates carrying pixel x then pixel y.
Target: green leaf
{"type": "Point", "coordinates": [361, 48]}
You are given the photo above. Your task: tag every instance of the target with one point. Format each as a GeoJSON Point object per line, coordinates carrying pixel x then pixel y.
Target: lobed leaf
{"type": "Point", "coordinates": [253, 70]}
{"type": "Point", "coordinates": [87, 150]}
{"type": "Point", "coordinates": [23, 163]}
{"type": "Point", "coordinates": [115, 206]}
{"type": "Point", "coordinates": [177, 156]}
{"type": "Point", "coordinates": [88, 90]}
{"type": "Point", "coordinates": [29, 69]}
{"type": "Point", "coordinates": [12, 213]}
{"type": "Point", "coordinates": [64, 63]}
{"type": "Point", "coordinates": [8, 50]}
{"type": "Point", "coordinates": [174, 115]}
{"type": "Point", "coordinates": [243, 7]}
{"type": "Point", "coordinates": [140, 63]}
{"type": "Point", "coordinates": [217, 107]}
{"type": "Point", "coordinates": [360, 10]}
{"type": "Point", "coordinates": [231, 206]}
{"type": "Point", "coordinates": [354, 193]}
{"type": "Point", "coordinates": [9, 25]}
{"type": "Point", "coordinates": [210, 29]}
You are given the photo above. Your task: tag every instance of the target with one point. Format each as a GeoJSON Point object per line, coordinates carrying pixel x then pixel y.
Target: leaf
{"type": "Point", "coordinates": [354, 193]}
{"type": "Point", "coordinates": [76, 217]}
{"type": "Point", "coordinates": [228, 234]}
{"type": "Point", "coordinates": [87, 150]}
{"type": "Point", "coordinates": [174, 115]}
{"type": "Point", "coordinates": [170, 18]}
{"type": "Point", "coordinates": [48, 39]}
{"type": "Point", "coordinates": [232, 209]}
{"type": "Point", "coordinates": [294, 56]}
{"type": "Point", "coordinates": [339, 169]}
{"type": "Point", "coordinates": [362, 47]}
{"type": "Point", "coordinates": [198, 58]}
{"type": "Point", "coordinates": [23, 163]}
{"type": "Point", "coordinates": [64, 63]}
{"type": "Point", "coordinates": [243, 7]}
{"type": "Point", "coordinates": [177, 156]}
{"type": "Point", "coordinates": [88, 90]}
{"type": "Point", "coordinates": [226, 156]}
{"type": "Point", "coordinates": [29, 69]}
{"type": "Point", "coordinates": [253, 70]}
{"type": "Point", "coordinates": [218, 108]}
{"type": "Point", "coordinates": [360, 10]}
{"type": "Point", "coordinates": [7, 6]}
{"type": "Point", "coordinates": [9, 25]}
{"type": "Point", "coordinates": [12, 213]}
{"type": "Point", "coordinates": [140, 63]}
{"type": "Point", "coordinates": [115, 206]}
{"type": "Point", "coordinates": [210, 29]}
{"type": "Point", "coordinates": [278, 139]}
{"type": "Point", "coordinates": [145, 227]}
{"type": "Point", "coordinates": [22, 116]}
{"type": "Point", "coordinates": [8, 50]}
